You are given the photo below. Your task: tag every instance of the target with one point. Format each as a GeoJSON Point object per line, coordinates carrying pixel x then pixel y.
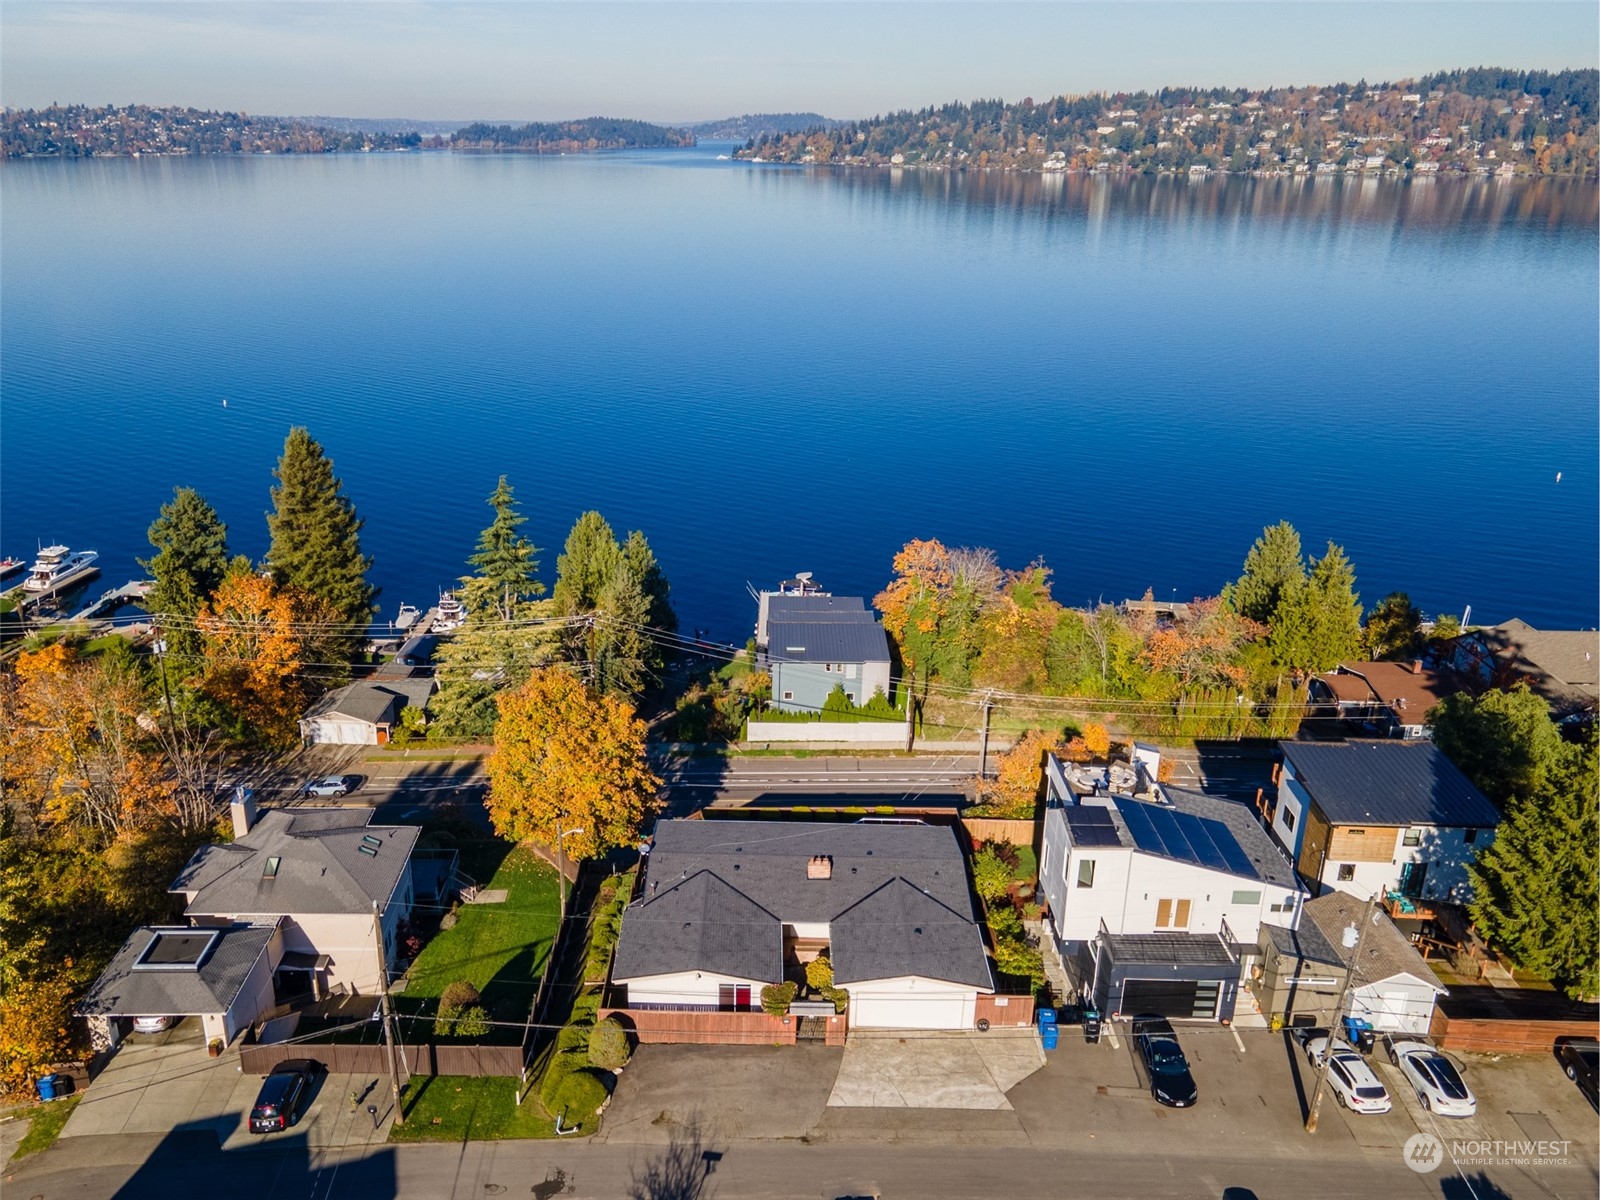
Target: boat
{"type": "Point", "coordinates": [451, 614]}
{"type": "Point", "coordinates": [9, 566]}
{"type": "Point", "coordinates": [408, 616]}
{"type": "Point", "coordinates": [58, 566]}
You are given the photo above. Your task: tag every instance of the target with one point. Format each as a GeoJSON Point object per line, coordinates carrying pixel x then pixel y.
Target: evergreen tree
{"type": "Point", "coordinates": [189, 564]}
{"type": "Point", "coordinates": [1535, 891]}
{"type": "Point", "coordinates": [1273, 565]}
{"type": "Point", "coordinates": [585, 568]}
{"type": "Point", "coordinates": [506, 558]}
{"type": "Point", "coordinates": [1394, 628]}
{"type": "Point", "coordinates": [641, 562]}
{"type": "Point", "coordinates": [1505, 742]}
{"type": "Point", "coordinates": [1317, 622]}
{"type": "Point", "coordinates": [316, 535]}
{"type": "Point", "coordinates": [623, 655]}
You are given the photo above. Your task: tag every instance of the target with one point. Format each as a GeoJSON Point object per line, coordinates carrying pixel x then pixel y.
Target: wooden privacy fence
{"type": "Point", "coordinates": [659, 1026]}
{"type": "Point", "coordinates": [1004, 1010]}
{"type": "Point", "coordinates": [423, 1059]}
{"type": "Point", "coordinates": [998, 829]}
{"type": "Point", "coordinates": [1491, 1036]}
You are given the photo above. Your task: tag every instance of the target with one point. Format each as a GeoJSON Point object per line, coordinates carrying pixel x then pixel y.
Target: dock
{"type": "Point", "coordinates": [131, 592]}
{"type": "Point", "coordinates": [26, 600]}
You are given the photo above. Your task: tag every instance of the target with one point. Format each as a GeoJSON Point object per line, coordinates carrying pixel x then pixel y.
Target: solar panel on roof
{"type": "Point", "coordinates": [1238, 861]}
{"type": "Point", "coordinates": [1184, 837]}
{"type": "Point", "coordinates": [1092, 827]}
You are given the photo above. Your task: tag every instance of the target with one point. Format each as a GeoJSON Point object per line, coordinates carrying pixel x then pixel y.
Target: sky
{"type": "Point", "coordinates": [681, 62]}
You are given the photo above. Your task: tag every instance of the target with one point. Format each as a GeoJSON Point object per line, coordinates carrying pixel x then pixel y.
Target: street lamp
{"type": "Point", "coordinates": [561, 862]}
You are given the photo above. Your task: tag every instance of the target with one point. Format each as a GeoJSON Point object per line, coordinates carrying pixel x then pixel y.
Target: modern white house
{"type": "Point", "coordinates": [729, 907]}
{"type": "Point", "coordinates": [1156, 895]}
{"type": "Point", "coordinates": [1370, 815]}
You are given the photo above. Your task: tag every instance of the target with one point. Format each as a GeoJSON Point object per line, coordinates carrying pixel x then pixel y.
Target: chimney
{"type": "Point", "coordinates": [820, 867]}
{"type": "Point", "coordinates": [1416, 666]}
{"type": "Point", "coordinates": [243, 809]}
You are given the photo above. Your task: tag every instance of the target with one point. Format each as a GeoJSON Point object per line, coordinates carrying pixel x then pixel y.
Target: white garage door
{"type": "Point", "coordinates": [344, 733]}
{"type": "Point", "coordinates": [909, 1012]}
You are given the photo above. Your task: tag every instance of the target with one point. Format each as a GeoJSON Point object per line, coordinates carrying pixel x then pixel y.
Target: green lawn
{"type": "Point", "coordinates": [499, 948]}
{"type": "Point", "coordinates": [45, 1126]}
{"type": "Point", "coordinates": [453, 1108]}
{"type": "Point", "coordinates": [1027, 865]}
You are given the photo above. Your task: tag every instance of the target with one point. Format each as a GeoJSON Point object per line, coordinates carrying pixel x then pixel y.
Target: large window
{"type": "Point", "coordinates": [1172, 914]}
{"type": "Point", "coordinates": [1086, 872]}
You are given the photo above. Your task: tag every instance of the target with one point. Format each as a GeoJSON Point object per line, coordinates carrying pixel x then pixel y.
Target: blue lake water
{"type": "Point", "coordinates": [770, 370]}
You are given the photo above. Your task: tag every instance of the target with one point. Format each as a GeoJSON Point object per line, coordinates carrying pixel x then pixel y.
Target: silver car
{"type": "Point", "coordinates": [1436, 1079]}
{"type": "Point", "coordinates": [330, 785]}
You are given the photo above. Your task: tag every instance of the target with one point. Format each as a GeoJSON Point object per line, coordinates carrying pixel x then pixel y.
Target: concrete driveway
{"type": "Point", "coordinates": [156, 1083]}
{"type": "Point", "coordinates": [935, 1069]}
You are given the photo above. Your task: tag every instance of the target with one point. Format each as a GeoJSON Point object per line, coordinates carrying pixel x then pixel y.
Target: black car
{"type": "Point", "coordinates": [1170, 1081]}
{"type": "Point", "coordinates": [283, 1095]}
{"type": "Point", "coordinates": [1579, 1057]}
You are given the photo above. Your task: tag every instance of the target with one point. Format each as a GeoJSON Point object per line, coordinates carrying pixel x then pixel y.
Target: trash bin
{"type": "Point", "coordinates": [1091, 1025]}
{"type": "Point", "coordinates": [1049, 1031]}
{"type": "Point", "coordinates": [1359, 1033]}
{"type": "Point", "coordinates": [49, 1087]}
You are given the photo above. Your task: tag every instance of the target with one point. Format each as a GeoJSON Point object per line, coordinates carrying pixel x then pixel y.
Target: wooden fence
{"type": "Point", "coordinates": [422, 1059]}
{"type": "Point", "coordinates": [1491, 1036]}
{"type": "Point", "coordinates": [1002, 1011]}
{"type": "Point", "coordinates": [658, 1026]}
{"type": "Point", "coordinates": [997, 829]}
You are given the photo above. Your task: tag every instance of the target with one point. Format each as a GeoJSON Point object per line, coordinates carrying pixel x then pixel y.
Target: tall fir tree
{"type": "Point", "coordinates": [1317, 624]}
{"type": "Point", "coordinates": [1504, 741]}
{"type": "Point", "coordinates": [1271, 568]}
{"type": "Point", "coordinates": [316, 535]}
{"type": "Point", "coordinates": [505, 558]}
{"type": "Point", "coordinates": [586, 565]}
{"type": "Point", "coordinates": [1394, 629]}
{"type": "Point", "coordinates": [188, 566]}
{"type": "Point", "coordinates": [642, 563]}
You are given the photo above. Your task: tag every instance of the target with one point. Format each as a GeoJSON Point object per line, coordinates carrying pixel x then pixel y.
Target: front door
{"type": "Point", "coordinates": [1412, 876]}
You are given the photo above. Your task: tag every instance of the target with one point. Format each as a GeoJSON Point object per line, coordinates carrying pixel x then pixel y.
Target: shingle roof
{"type": "Point", "coordinates": [827, 641]}
{"type": "Point", "coordinates": [900, 930]}
{"type": "Point", "coordinates": [372, 703]}
{"type": "Point", "coordinates": [1385, 951]}
{"type": "Point", "coordinates": [1409, 693]}
{"type": "Point", "coordinates": [761, 867]}
{"type": "Point", "coordinates": [1562, 665]}
{"type": "Point", "coordinates": [701, 924]}
{"type": "Point", "coordinates": [1306, 943]}
{"type": "Point", "coordinates": [321, 868]}
{"type": "Point", "coordinates": [127, 989]}
{"type": "Point", "coordinates": [1387, 782]}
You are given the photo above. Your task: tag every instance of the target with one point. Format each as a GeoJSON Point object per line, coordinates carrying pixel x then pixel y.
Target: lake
{"type": "Point", "coordinates": [779, 369]}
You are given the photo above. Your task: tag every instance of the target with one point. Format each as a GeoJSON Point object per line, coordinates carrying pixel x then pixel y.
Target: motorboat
{"type": "Point", "coordinates": [451, 613]}
{"type": "Point", "coordinates": [9, 566]}
{"type": "Point", "coordinates": [58, 566]}
{"type": "Point", "coordinates": [408, 616]}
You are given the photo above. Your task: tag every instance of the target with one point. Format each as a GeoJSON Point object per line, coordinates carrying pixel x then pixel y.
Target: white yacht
{"type": "Point", "coordinates": [451, 614]}
{"type": "Point", "coordinates": [58, 566]}
{"type": "Point", "coordinates": [408, 616]}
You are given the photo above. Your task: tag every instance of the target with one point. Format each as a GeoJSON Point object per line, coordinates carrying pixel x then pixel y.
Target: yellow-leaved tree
{"type": "Point", "coordinates": [568, 764]}
{"type": "Point", "coordinates": [1019, 782]}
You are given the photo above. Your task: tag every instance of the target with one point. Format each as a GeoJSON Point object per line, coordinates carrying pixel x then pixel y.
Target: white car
{"type": "Point", "coordinates": [1316, 1048]}
{"type": "Point", "coordinates": [1357, 1087]}
{"type": "Point", "coordinates": [1436, 1079]}
{"type": "Point", "coordinates": [152, 1024]}
{"type": "Point", "coordinates": [329, 785]}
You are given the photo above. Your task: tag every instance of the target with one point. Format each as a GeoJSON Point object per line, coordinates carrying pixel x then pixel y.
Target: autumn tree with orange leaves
{"type": "Point", "coordinates": [1018, 785]}
{"type": "Point", "coordinates": [259, 638]}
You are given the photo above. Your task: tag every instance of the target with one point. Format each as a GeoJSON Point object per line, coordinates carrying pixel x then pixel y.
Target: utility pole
{"type": "Point", "coordinates": [983, 743]}
{"type": "Point", "coordinates": [1369, 916]}
{"type": "Point", "coordinates": [161, 657]}
{"type": "Point", "coordinates": [383, 993]}
{"type": "Point", "coordinates": [911, 709]}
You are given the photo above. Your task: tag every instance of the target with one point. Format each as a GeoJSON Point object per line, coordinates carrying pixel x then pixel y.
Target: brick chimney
{"type": "Point", "coordinates": [1416, 666]}
{"type": "Point", "coordinates": [820, 867]}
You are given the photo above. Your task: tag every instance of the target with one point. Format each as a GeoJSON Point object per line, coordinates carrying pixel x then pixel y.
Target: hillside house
{"type": "Point", "coordinates": [812, 642]}
{"type": "Point", "coordinates": [1561, 665]}
{"type": "Point", "coordinates": [1388, 699]}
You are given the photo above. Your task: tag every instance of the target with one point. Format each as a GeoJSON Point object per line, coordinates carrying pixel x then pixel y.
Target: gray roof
{"type": "Point", "coordinates": [701, 924]}
{"type": "Point", "coordinates": [1270, 866]}
{"type": "Point", "coordinates": [1385, 951]}
{"type": "Point", "coordinates": [1198, 949]}
{"type": "Point", "coordinates": [804, 609]}
{"type": "Point", "coordinates": [827, 641]}
{"type": "Point", "coordinates": [131, 988]}
{"type": "Point", "coordinates": [373, 703]}
{"type": "Point", "coordinates": [901, 930]}
{"type": "Point", "coordinates": [761, 867]}
{"type": "Point", "coordinates": [1567, 656]}
{"type": "Point", "coordinates": [1388, 782]}
{"type": "Point", "coordinates": [321, 867]}
{"type": "Point", "coordinates": [1305, 943]}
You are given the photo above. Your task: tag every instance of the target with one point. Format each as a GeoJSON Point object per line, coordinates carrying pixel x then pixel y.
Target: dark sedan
{"type": "Point", "coordinates": [1170, 1081]}
{"type": "Point", "coordinates": [283, 1095]}
{"type": "Point", "coordinates": [1579, 1058]}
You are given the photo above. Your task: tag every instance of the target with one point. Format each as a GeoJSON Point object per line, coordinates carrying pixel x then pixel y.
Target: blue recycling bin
{"type": "Point", "coordinates": [49, 1087]}
{"type": "Point", "coordinates": [1359, 1033]}
{"type": "Point", "coordinates": [1049, 1031]}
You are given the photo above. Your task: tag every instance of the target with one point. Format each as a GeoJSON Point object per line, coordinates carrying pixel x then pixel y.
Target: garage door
{"type": "Point", "coordinates": [343, 733]}
{"type": "Point", "coordinates": [908, 1012]}
{"type": "Point", "coordinates": [1170, 997]}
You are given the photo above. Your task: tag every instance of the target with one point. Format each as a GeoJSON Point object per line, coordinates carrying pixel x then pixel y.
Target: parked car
{"type": "Point", "coordinates": [1170, 1081]}
{"type": "Point", "coordinates": [1353, 1082]}
{"type": "Point", "coordinates": [283, 1095]}
{"type": "Point", "coordinates": [1316, 1047]}
{"type": "Point", "coordinates": [153, 1024]}
{"type": "Point", "coordinates": [331, 785]}
{"type": "Point", "coordinates": [1436, 1080]}
{"type": "Point", "coordinates": [1579, 1058]}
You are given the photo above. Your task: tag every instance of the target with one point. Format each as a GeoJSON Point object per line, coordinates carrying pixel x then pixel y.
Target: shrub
{"type": "Point", "coordinates": [1031, 911]}
{"type": "Point", "coordinates": [473, 1022]}
{"type": "Point", "coordinates": [1005, 923]}
{"type": "Point", "coordinates": [819, 973]}
{"type": "Point", "coordinates": [448, 921]}
{"type": "Point", "coordinates": [776, 997]}
{"type": "Point", "coordinates": [990, 875]}
{"type": "Point", "coordinates": [459, 994]}
{"type": "Point", "coordinates": [1015, 957]}
{"type": "Point", "coordinates": [580, 1095]}
{"type": "Point", "coordinates": [608, 1045]}
{"type": "Point", "coordinates": [840, 998]}
{"type": "Point", "coordinates": [1096, 739]}
{"type": "Point", "coordinates": [562, 1064]}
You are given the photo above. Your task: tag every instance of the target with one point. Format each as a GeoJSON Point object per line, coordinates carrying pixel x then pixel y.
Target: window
{"type": "Point", "coordinates": [1413, 837]}
{"type": "Point", "coordinates": [1347, 872]}
{"type": "Point", "coordinates": [1470, 836]}
{"type": "Point", "coordinates": [1044, 862]}
{"type": "Point", "coordinates": [1288, 818]}
{"type": "Point", "coordinates": [1086, 872]}
{"type": "Point", "coordinates": [1356, 832]}
{"type": "Point", "coordinates": [270, 871]}
{"type": "Point", "coordinates": [788, 695]}
{"type": "Point", "coordinates": [1172, 914]}
{"type": "Point", "coordinates": [1247, 897]}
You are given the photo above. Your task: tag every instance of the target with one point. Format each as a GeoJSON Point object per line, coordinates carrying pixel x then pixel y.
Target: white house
{"type": "Point", "coordinates": [1366, 816]}
{"type": "Point", "coordinates": [363, 714]}
{"type": "Point", "coordinates": [729, 907]}
{"type": "Point", "coordinates": [1156, 895]}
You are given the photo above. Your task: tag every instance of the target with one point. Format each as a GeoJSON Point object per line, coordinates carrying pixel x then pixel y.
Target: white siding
{"type": "Point", "coordinates": [1445, 850]}
{"type": "Point", "coordinates": [910, 1002]}
{"type": "Point", "coordinates": [330, 731]}
{"type": "Point", "coordinates": [1293, 804]}
{"type": "Point", "coordinates": [1401, 1004]}
{"type": "Point", "coordinates": [875, 678]}
{"type": "Point", "coordinates": [688, 989]}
